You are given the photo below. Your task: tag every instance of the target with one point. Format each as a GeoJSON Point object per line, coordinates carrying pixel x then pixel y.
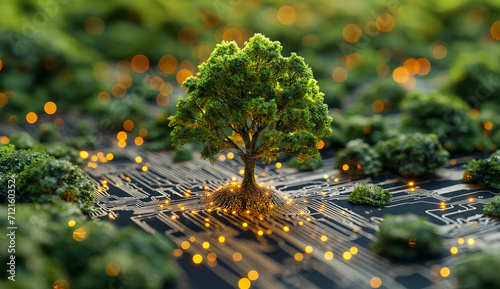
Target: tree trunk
{"type": "Point", "coordinates": [249, 185]}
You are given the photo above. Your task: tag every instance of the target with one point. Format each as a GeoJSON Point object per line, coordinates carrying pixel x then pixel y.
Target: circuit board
{"type": "Point", "coordinates": [319, 240]}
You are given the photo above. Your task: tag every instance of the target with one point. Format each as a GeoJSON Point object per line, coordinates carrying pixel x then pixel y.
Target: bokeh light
{"type": "Point", "coordinates": [50, 107]}
{"type": "Point", "coordinates": [140, 63]}
{"type": "Point", "coordinates": [94, 26]}
{"type": "Point", "coordinates": [352, 33]}
{"type": "Point", "coordinates": [287, 15]}
{"type": "Point", "coordinates": [385, 22]}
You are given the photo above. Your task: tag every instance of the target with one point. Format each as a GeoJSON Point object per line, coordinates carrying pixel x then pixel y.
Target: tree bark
{"type": "Point", "coordinates": [249, 184]}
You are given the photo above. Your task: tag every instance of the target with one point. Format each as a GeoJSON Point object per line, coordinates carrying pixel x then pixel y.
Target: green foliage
{"type": "Point", "coordinates": [183, 154]}
{"type": "Point", "coordinates": [311, 166]}
{"type": "Point", "coordinates": [14, 161]}
{"type": "Point", "coordinates": [386, 90]}
{"type": "Point", "coordinates": [493, 207]}
{"type": "Point", "coordinates": [85, 136]}
{"type": "Point", "coordinates": [46, 251]}
{"type": "Point", "coordinates": [446, 116]}
{"type": "Point", "coordinates": [413, 155]}
{"type": "Point", "coordinates": [362, 159]}
{"type": "Point", "coordinates": [256, 94]}
{"type": "Point", "coordinates": [369, 129]}
{"type": "Point", "coordinates": [61, 151]}
{"type": "Point", "coordinates": [484, 172]}
{"type": "Point", "coordinates": [478, 270]}
{"type": "Point", "coordinates": [407, 237]}
{"type": "Point", "coordinates": [158, 137]}
{"type": "Point", "coordinates": [369, 194]}
{"type": "Point", "coordinates": [50, 180]}
{"type": "Point", "coordinates": [22, 140]}
{"type": "Point", "coordinates": [47, 132]}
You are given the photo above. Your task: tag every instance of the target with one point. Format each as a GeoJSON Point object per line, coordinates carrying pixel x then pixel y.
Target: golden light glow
{"type": "Point", "coordinates": [185, 245]}
{"type": "Point", "coordinates": [104, 97]}
{"type": "Point", "coordinates": [4, 140]}
{"type": "Point", "coordinates": [162, 100]}
{"type": "Point", "coordinates": [378, 106]}
{"type": "Point", "coordinates": [339, 74]}
{"type": "Point", "coordinates": [286, 229]}
{"type": "Point", "coordinates": [109, 156]}
{"type": "Point", "coordinates": [156, 83]}
{"type": "Point", "coordinates": [345, 167]}
{"type": "Point", "coordinates": [206, 245]}
{"type": "Point", "coordinates": [253, 275]}
{"type": "Point", "coordinates": [453, 250]}
{"type": "Point", "coordinates": [60, 284]}
{"type": "Point", "coordinates": [278, 165]}
{"type": "Point", "coordinates": [71, 223]}
{"type": "Point", "coordinates": [118, 91]}
{"type": "Point", "coordinates": [242, 172]}
{"type": "Point", "coordinates": [144, 168]}
{"type": "Point", "coordinates": [287, 15]}
{"type": "Point", "coordinates": [168, 64]}
{"type": "Point", "coordinates": [3, 99]}
{"type": "Point", "coordinates": [400, 74]}
{"type": "Point", "coordinates": [439, 52]}
{"type": "Point", "coordinates": [353, 250]}
{"type": "Point", "coordinates": [422, 66]}
{"type": "Point", "coordinates": [138, 159]}
{"type": "Point", "coordinates": [84, 154]}
{"type": "Point", "coordinates": [245, 225]}
{"type": "Point", "coordinates": [222, 158]}
{"type": "Point", "coordinates": [328, 255]}
{"type": "Point", "coordinates": [375, 282]}
{"type": "Point", "coordinates": [212, 257]}
{"type": "Point", "coordinates": [320, 144]}
{"type": "Point", "coordinates": [50, 108]}
{"type": "Point", "coordinates": [222, 239]}
{"type": "Point", "coordinates": [197, 259]}
{"type": "Point", "coordinates": [260, 233]}
{"type": "Point", "coordinates": [237, 256]}
{"type": "Point", "coordinates": [230, 156]}
{"type": "Point", "coordinates": [309, 249]}
{"type": "Point", "coordinates": [1, 64]}
{"type": "Point", "coordinates": [488, 125]}
{"type": "Point", "coordinates": [324, 238]}
{"type": "Point", "coordinates": [124, 81]}
{"type": "Point", "coordinates": [177, 253]}
{"type": "Point", "coordinates": [138, 141]}
{"type": "Point", "coordinates": [461, 241]}
{"type": "Point", "coordinates": [298, 257]}
{"type": "Point", "coordinates": [495, 30]}
{"type": "Point", "coordinates": [445, 272]}
{"type": "Point", "coordinates": [352, 33]}
{"type": "Point", "coordinates": [31, 117]}
{"type": "Point", "coordinates": [140, 63]}
{"type": "Point", "coordinates": [80, 234]}
{"type": "Point", "coordinates": [347, 255]}
{"type": "Point", "coordinates": [128, 125]}
{"type": "Point", "coordinates": [143, 132]}
{"type": "Point", "coordinates": [411, 183]}
{"type": "Point", "coordinates": [470, 241]}
{"type": "Point", "coordinates": [385, 22]}
{"type": "Point", "coordinates": [244, 283]}
{"type": "Point", "coordinates": [112, 269]}
{"type": "Point", "coordinates": [192, 238]}
{"type": "Point", "coordinates": [122, 136]}
{"type": "Point", "coordinates": [182, 75]}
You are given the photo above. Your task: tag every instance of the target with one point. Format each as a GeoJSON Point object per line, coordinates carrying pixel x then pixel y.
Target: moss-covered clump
{"type": "Point", "coordinates": [91, 254]}
{"type": "Point", "coordinates": [413, 155]}
{"type": "Point", "coordinates": [478, 270]}
{"type": "Point", "coordinates": [85, 136]}
{"type": "Point", "coordinates": [407, 237]}
{"type": "Point", "coordinates": [305, 166]}
{"type": "Point", "coordinates": [47, 132]}
{"type": "Point", "coordinates": [369, 194]}
{"type": "Point", "coordinates": [492, 208]}
{"type": "Point", "coordinates": [446, 116]}
{"type": "Point", "coordinates": [61, 151]}
{"type": "Point", "coordinates": [22, 140]}
{"type": "Point", "coordinates": [361, 159]}
{"type": "Point", "coordinates": [484, 172]}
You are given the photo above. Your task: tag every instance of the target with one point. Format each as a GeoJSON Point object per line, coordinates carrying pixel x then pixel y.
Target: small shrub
{"type": "Point", "coordinates": [407, 237]}
{"type": "Point", "coordinates": [478, 270]}
{"type": "Point", "coordinates": [362, 159]}
{"type": "Point", "coordinates": [47, 132]}
{"type": "Point", "coordinates": [184, 154]}
{"type": "Point", "coordinates": [493, 207]}
{"type": "Point", "coordinates": [484, 172]}
{"type": "Point", "coordinates": [369, 194]}
{"type": "Point", "coordinates": [22, 140]}
{"type": "Point", "coordinates": [413, 155]}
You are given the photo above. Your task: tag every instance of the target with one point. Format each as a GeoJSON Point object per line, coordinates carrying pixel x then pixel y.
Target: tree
{"type": "Point", "coordinates": [255, 101]}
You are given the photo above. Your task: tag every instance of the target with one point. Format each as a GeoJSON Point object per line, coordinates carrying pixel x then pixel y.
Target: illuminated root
{"type": "Point", "coordinates": [234, 199]}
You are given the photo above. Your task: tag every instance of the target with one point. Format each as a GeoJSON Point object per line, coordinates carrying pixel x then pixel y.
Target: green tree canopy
{"type": "Point", "coordinates": [255, 101]}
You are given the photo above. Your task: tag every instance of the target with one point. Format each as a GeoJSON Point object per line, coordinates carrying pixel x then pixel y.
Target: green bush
{"type": "Point", "coordinates": [22, 140]}
{"type": "Point", "coordinates": [493, 207]}
{"type": "Point", "coordinates": [50, 180]}
{"type": "Point", "coordinates": [370, 129]}
{"type": "Point", "coordinates": [446, 116]}
{"type": "Point", "coordinates": [85, 136]}
{"type": "Point", "coordinates": [46, 251]}
{"type": "Point", "coordinates": [413, 155]}
{"type": "Point", "coordinates": [478, 270]}
{"type": "Point", "coordinates": [362, 159]}
{"type": "Point", "coordinates": [14, 161]}
{"type": "Point", "coordinates": [184, 154]}
{"type": "Point", "coordinates": [305, 166]}
{"type": "Point", "coordinates": [484, 172]}
{"type": "Point", "coordinates": [407, 237]}
{"type": "Point", "coordinates": [386, 90]}
{"type": "Point", "coordinates": [61, 151]}
{"type": "Point", "coordinates": [369, 194]}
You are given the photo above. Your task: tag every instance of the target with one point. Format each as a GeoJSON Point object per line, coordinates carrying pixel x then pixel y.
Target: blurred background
{"type": "Point", "coordinates": [120, 62]}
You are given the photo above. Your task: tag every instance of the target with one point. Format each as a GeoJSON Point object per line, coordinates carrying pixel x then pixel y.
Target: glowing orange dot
{"type": "Point", "coordinates": [378, 106]}
{"type": "Point", "coordinates": [320, 144]}
{"type": "Point", "coordinates": [168, 64]}
{"type": "Point", "coordinates": [112, 269]}
{"type": "Point", "coordinates": [352, 60]}
{"type": "Point", "coordinates": [197, 259]}
{"type": "Point", "coordinates": [375, 282]}
{"type": "Point", "coordinates": [298, 257]}
{"type": "Point", "coordinates": [156, 83]}
{"type": "Point", "coordinates": [352, 33]}
{"type": "Point", "coordinates": [60, 284]}
{"type": "Point", "coordinates": [144, 168]}
{"type": "Point", "coordinates": [103, 97]}
{"type": "Point", "coordinates": [488, 125]}
{"type": "Point", "coordinates": [124, 81]}
{"type": "Point", "coordinates": [128, 125]}
{"type": "Point", "coordinates": [167, 88]}
{"type": "Point", "coordinates": [339, 74]}
{"type": "Point", "coordinates": [140, 63]}
{"type": "Point", "coordinates": [4, 140]}
{"type": "Point", "coordinates": [182, 75]}
{"type": "Point", "coordinates": [244, 283]}
{"type": "Point", "coordinates": [385, 22]}
{"type": "Point", "coordinates": [1, 65]}
{"type": "Point", "coordinates": [347, 255]}
{"type": "Point", "coordinates": [422, 66]}
{"type": "Point", "coordinates": [121, 136]}
{"type": "Point", "coordinates": [117, 91]}
{"type": "Point", "coordinates": [400, 74]}
{"type": "Point", "coordinates": [237, 256]}
{"type": "Point", "coordinates": [31, 117]}
{"type": "Point", "coordinates": [454, 250]}
{"type": "Point", "coordinates": [80, 234]}
{"type": "Point", "coordinates": [162, 100]}
{"type": "Point", "coordinates": [409, 65]}
{"type": "Point", "coordinates": [287, 15]}
{"type": "Point", "coordinates": [495, 30]}
{"type": "Point", "coordinates": [439, 52]}
{"type": "Point", "coordinates": [445, 272]}
{"type": "Point", "coordinates": [94, 26]}
{"type": "Point", "coordinates": [345, 167]}
{"type": "Point", "coordinates": [139, 141]}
